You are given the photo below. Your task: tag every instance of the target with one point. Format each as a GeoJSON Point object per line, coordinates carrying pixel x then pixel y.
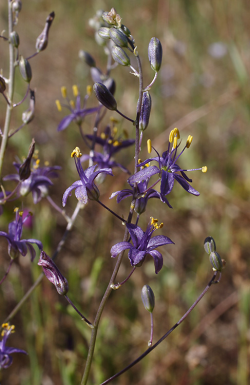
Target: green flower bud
{"type": "Point", "coordinates": [104, 96]}
{"type": "Point", "coordinates": [148, 298]}
{"type": "Point", "coordinates": [103, 32]}
{"type": "Point", "coordinates": [16, 5]}
{"type": "Point", "coordinates": [85, 56]}
{"type": "Point", "coordinates": [216, 261]}
{"type": "Point", "coordinates": [120, 56]}
{"type": "Point", "coordinates": [118, 37]}
{"type": "Point", "coordinates": [145, 111]}
{"type": "Point", "coordinates": [25, 69]}
{"type": "Point", "coordinates": [100, 41]}
{"type": "Point", "coordinates": [155, 54]}
{"type": "Point", "coordinates": [125, 30]}
{"type": "Point", "coordinates": [209, 245]}
{"type": "Point", "coordinates": [14, 39]}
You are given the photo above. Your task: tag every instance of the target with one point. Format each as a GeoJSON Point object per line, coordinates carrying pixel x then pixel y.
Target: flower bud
{"type": "Point", "coordinates": [155, 54]}
{"type": "Point", "coordinates": [24, 169]}
{"type": "Point", "coordinates": [87, 58]}
{"type": "Point", "coordinates": [94, 193]}
{"type": "Point", "coordinates": [216, 261]}
{"type": "Point", "coordinates": [209, 245]}
{"type": "Point", "coordinates": [42, 40]}
{"type": "Point", "coordinates": [96, 75]}
{"type": "Point", "coordinates": [110, 84]}
{"type": "Point", "coordinates": [140, 205]}
{"type": "Point", "coordinates": [28, 115]}
{"type": "Point", "coordinates": [145, 111]}
{"type": "Point", "coordinates": [14, 39]}
{"type": "Point", "coordinates": [111, 17]}
{"type": "Point", "coordinates": [148, 298]}
{"type": "Point", "coordinates": [103, 32]}
{"type": "Point", "coordinates": [104, 96]}
{"type": "Point", "coordinates": [125, 30]}
{"type": "Point", "coordinates": [2, 85]}
{"type": "Point", "coordinates": [17, 5]}
{"type": "Point", "coordinates": [25, 69]}
{"type": "Point", "coordinates": [100, 41]}
{"type": "Point", "coordinates": [118, 37]}
{"type": "Point", "coordinates": [120, 56]}
{"type": "Point", "coordinates": [53, 274]}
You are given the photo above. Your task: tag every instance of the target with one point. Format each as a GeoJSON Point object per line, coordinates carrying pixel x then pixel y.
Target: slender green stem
{"type": "Point", "coordinates": [10, 90]}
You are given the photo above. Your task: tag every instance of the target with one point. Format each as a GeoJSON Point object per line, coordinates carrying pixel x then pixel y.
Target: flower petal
{"type": "Point", "coordinates": [167, 182]}
{"type": "Point", "coordinates": [119, 247]}
{"type": "Point", "coordinates": [158, 261]}
{"type": "Point", "coordinates": [65, 122]}
{"type": "Point", "coordinates": [136, 234]}
{"type": "Point", "coordinates": [158, 240]}
{"type": "Point", "coordinates": [69, 191]}
{"type": "Point", "coordinates": [136, 256]}
{"type": "Point", "coordinates": [144, 174]}
{"type": "Point", "coordinates": [81, 194]}
{"type": "Point", "coordinates": [186, 185]}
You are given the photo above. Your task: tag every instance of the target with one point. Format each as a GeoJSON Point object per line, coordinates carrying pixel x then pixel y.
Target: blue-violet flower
{"type": "Point", "coordinates": [5, 352]}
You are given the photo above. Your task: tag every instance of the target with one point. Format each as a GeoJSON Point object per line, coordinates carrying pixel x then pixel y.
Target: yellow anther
{"type": "Point", "coordinates": [72, 103]}
{"type": "Point", "coordinates": [58, 104]}
{"type": "Point", "coordinates": [75, 90]}
{"type": "Point", "coordinates": [89, 90]}
{"type": "Point", "coordinates": [76, 152]}
{"type": "Point", "coordinates": [149, 145]}
{"type": "Point", "coordinates": [5, 325]}
{"type": "Point", "coordinates": [177, 133]}
{"type": "Point", "coordinates": [64, 92]}
{"type": "Point", "coordinates": [113, 119]}
{"type": "Point", "coordinates": [139, 161]}
{"type": "Point", "coordinates": [147, 164]}
{"type": "Point", "coordinates": [135, 51]}
{"type": "Point", "coordinates": [175, 142]}
{"type": "Point", "coordinates": [110, 141]}
{"type": "Point", "coordinates": [16, 209]}
{"type": "Point", "coordinates": [171, 136]}
{"type": "Point", "coordinates": [204, 169]}
{"type": "Point", "coordinates": [38, 162]}
{"type": "Point", "coordinates": [189, 141]}
{"type": "Point", "coordinates": [116, 143]}
{"type": "Point", "coordinates": [153, 220]}
{"type": "Point", "coordinates": [20, 213]}
{"type": "Point", "coordinates": [160, 226]}
{"type": "Point", "coordinates": [125, 133]}
{"type": "Point", "coordinates": [103, 136]}
{"type": "Point", "coordinates": [46, 163]}
{"type": "Point", "coordinates": [115, 130]}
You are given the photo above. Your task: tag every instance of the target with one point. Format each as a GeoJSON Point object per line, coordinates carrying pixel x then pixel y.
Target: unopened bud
{"type": "Point", "coordinates": [103, 32]}
{"type": "Point", "coordinates": [118, 37]}
{"type": "Point", "coordinates": [110, 84]}
{"type": "Point", "coordinates": [24, 170]}
{"type": "Point", "coordinates": [148, 298]}
{"type": "Point", "coordinates": [209, 245]}
{"type": "Point", "coordinates": [53, 274]}
{"type": "Point", "coordinates": [120, 56]}
{"type": "Point", "coordinates": [140, 205]}
{"type": "Point", "coordinates": [14, 39]}
{"type": "Point", "coordinates": [155, 54]}
{"type": "Point", "coordinates": [29, 114]}
{"type": "Point", "coordinates": [25, 69]}
{"type": "Point", "coordinates": [87, 58]}
{"type": "Point", "coordinates": [216, 261]}
{"type": "Point", "coordinates": [42, 40]}
{"type": "Point", "coordinates": [100, 41]}
{"type": "Point", "coordinates": [16, 5]}
{"type": "Point", "coordinates": [2, 85]}
{"type": "Point", "coordinates": [96, 75]}
{"type": "Point", "coordinates": [145, 111]}
{"type": "Point", "coordinates": [125, 30]}
{"type": "Point", "coordinates": [104, 96]}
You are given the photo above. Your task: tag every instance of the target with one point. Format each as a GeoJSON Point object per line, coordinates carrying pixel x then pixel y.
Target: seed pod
{"type": "Point", "coordinates": [216, 261]}
{"type": "Point", "coordinates": [24, 170]}
{"type": "Point", "coordinates": [209, 245]}
{"type": "Point", "coordinates": [25, 69]}
{"type": "Point", "coordinates": [104, 96]}
{"type": "Point", "coordinates": [148, 298]}
{"type": "Point", "coordinates": [103, 32]}
{"type": "Point", "coordinates": [53, 274]}
{"type": "Point", "coordinates": [2, 85]}
{"type": "Point", "coordinates": [155, 54]}
{"type": "Point", "coordinates": [145, 111]}
{"type": "Point", "coordinates": [43, 38]}
{"type": "Point", "coordinates": [14, 39]}
{"type": "Point", "coordinates": [120, 56]}
{"type": "Point", "coordinates": [87, 58]}
{"type": "Point", "coordinates": [118, 37]}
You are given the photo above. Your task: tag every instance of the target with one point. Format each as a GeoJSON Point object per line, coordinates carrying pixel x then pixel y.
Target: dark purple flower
{"type": "Point", "coordinates": [77, 113]}
{"type": "Point", "coordinates": [38, 182]}
{"type": "Point", "coordinates": [16, 244]}
{"type": "Point", "coordinates": [85, 188]}
{"type": "Point", "coordinates": [53, 274]}
{"type": "Point", "coordinates": [168, 169]}
{"type": "Point", "coordinates": [5, 352]}
{"type": "Point", "coordinates": [142, 245]}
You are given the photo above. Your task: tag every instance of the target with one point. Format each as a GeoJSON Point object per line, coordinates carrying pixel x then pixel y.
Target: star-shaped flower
{"type": "Point", "coordinates": [142, 245]}
{"type": "Point", "coordinates": [5, 352]}
{"type": "Point", "coordinates": [85, 187]}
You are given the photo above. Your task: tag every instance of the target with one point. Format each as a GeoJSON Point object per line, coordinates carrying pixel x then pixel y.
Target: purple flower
{"type": "Point", "coordinates": [142, 245]}
{"type": "Point", "coordinates": [77, 113]}
{"type": "Point", "coordinates": [104, 161]}
{"type": "Point", "coordinates": [5, 352]}
{"type": "Point", "coordinates": [85, 187]}
{"type": "Point", "coordinates": [16, 244]}
{"type": "Point", "coordinates": [168, 169]}
{"type": "Point", "coordinates": [38, 181]}
{"type": "Point", "coordinates": [53, 274]}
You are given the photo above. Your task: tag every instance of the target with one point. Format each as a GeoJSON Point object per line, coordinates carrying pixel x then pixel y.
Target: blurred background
{"type": "Point", "coordinates": [203, 89]}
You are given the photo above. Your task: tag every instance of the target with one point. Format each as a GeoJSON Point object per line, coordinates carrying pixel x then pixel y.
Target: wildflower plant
{"type": "Point", "coordinates": [153, 177]}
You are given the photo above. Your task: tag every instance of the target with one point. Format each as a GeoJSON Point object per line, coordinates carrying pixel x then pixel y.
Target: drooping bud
{"type": "Point", "coordinates": [118, 37]}
{"type": "Point", "coordinates": [2, 85]}
{"type": "Point", "coordinates": [120, 56]}
{"type": "Point", "coordinates": [17, 5]}
{"type": "Point", "coordinates": [216, 261]}
{"type": "Point", "coordinates": [125, 30]}
{"type": "Point", "coordinates": [53, 274]}
{"type": "Point", "coordinates": [104, 96]}
{"type": "Point", "coordinates": [145, 111]}
{"type": "Point", "coordinates": [42, 40]}
{"type": "Point", "coordinates": [14, 39]}
{"type": "Point", "coordinates": [110, 84]}
{"type": "Point", "coordinates": [103, 32]}
{"type": "Point", "coordinates": [28, 115]}
{"type": "Point", "coordinates": [209, 245]}
{"type": "Point", "coordinates": [25, 69]}
{"type": "Point", "coordinates": [24, 170]}
{"type": "Point", "coordinates": [155, 54]}
{"type": "Point", "coordinates": [87, 58]}
{"type": "Point", "coordinates": [148, 298]}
